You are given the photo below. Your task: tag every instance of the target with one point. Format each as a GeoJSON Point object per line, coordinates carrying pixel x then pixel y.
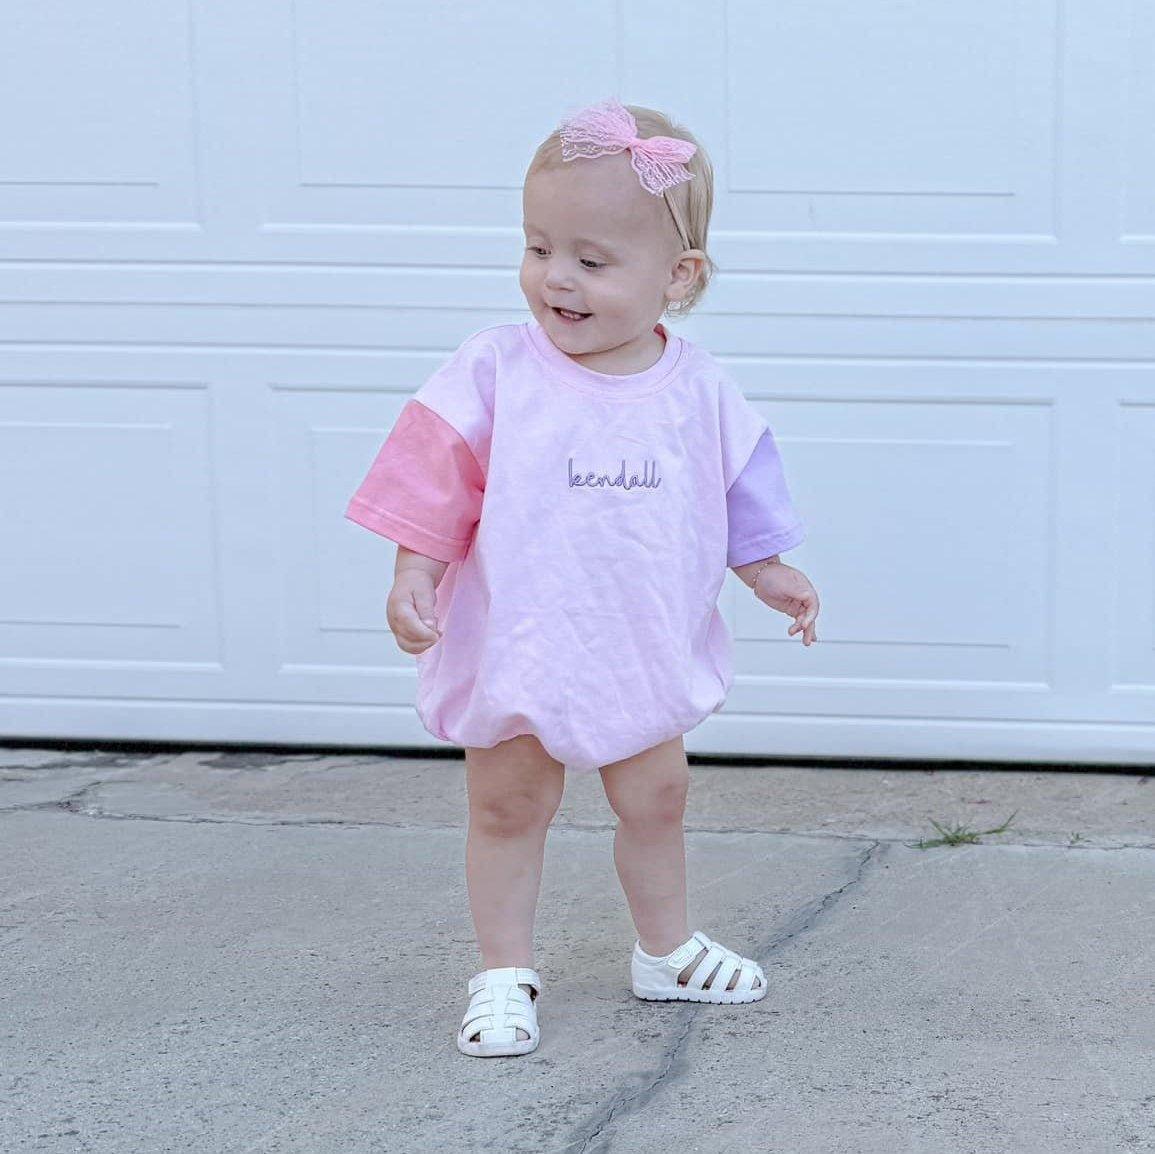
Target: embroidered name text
{"type": "Point", "coordinates": [648, 480]}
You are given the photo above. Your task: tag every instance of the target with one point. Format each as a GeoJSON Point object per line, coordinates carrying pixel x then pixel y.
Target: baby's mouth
{"type": "Point", "coordinates": [572, 317]}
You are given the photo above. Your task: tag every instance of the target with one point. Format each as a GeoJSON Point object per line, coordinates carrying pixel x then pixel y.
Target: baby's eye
{"type": "Point", "coordinates": [539, 251]}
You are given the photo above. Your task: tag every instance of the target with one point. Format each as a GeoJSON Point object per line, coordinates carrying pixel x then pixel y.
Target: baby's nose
{"type": "Point", "coordinates": [557, 276]}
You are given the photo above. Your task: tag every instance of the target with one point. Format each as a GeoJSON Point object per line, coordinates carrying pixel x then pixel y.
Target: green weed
{"type": "Point", "coordinates": [959, 834]}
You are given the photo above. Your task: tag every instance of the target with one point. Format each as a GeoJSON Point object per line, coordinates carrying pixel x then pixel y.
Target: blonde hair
{"type": "Point", "coordinates": [694, 199]}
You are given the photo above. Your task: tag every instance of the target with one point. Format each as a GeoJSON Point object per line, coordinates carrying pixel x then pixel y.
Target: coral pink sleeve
{"type": "Point", "coordinates": [424, 489]}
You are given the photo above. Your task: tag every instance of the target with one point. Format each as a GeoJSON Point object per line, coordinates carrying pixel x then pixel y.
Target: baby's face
{"type": "Point", "coordinates": [597, 243]}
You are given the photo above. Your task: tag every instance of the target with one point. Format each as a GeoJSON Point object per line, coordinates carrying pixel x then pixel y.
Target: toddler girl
{"type": "Point", "coordinates": [566, 495]}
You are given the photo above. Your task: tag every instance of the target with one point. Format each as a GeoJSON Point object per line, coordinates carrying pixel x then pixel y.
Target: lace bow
{"type": "Point", "coordinates": [608, 127]}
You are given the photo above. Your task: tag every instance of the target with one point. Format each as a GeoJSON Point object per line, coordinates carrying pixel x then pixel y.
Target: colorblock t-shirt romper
{"type": "Point", "coordinates": [586, 518]}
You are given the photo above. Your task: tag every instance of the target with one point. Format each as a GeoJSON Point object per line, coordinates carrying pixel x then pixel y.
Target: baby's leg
{"type": "Point", "coordinates": [514, 790]}
{"type": "Point", "coordinates": [648, 793]}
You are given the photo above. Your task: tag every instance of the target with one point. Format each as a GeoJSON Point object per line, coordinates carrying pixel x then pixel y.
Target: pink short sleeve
{"type": "Point", "coordinates": [740, 426]}
{"type": "Point", "coordinates": [425, 487]}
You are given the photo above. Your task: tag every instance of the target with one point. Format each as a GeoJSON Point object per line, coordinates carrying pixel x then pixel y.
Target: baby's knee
{"type": "Point", "coordinates": [659, 803]}
{"type": "Point", "coordinates": [512, 813]}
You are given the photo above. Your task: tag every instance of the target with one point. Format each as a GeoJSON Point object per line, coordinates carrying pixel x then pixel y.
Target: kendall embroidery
{"type": "Point", "coordinates": [601, 480]}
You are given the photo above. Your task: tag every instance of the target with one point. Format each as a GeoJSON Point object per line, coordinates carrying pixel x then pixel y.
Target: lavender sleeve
{"type": "Point", "coordinates": [762, 518]}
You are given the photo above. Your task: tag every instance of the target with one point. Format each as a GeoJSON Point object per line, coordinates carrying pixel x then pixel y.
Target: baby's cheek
{"type": "Point", "coordinates": [613, 300]}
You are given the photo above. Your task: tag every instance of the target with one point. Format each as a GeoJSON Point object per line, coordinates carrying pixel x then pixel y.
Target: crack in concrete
{"type": "Point", "coordinates": [74, 803]}
{"type": "Point", "coordinates": [674, 1064]}
{"type": "Point", "coordinates": [87, 759]}
{"type": "Point", "coordinates": [808, 914]}
{"type": "Point", "coordinates": [62, 803]}
{"type": "Point", "coordinates": [262, 761]}
{"type": "Point", "coordinates": [633, 1102]}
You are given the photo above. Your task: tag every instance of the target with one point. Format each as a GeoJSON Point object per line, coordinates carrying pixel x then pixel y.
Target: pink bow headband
{"type": "Point", "coordinates": [609, 127]}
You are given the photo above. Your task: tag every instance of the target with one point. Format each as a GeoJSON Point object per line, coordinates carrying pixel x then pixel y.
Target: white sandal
{"type": "Point", "coordinates": [656, 979]}
{"type": "Point", "coordinates": [498, 1007]}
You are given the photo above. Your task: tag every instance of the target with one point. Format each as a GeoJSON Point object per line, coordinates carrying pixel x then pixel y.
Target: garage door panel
{"type": "Point", "coordinates": [1065, 492]}
{"type": "Point", "coordinates": [110, 103]}
{"type": "Point", "coordinates": [1133, 667]}
{"type": "Point", "coordinates": [334, 579]}
{"type": "Point", "coordinates": [106, 489]}
{"type": "Point", "coordinates": [934, 529]}
{"type": "Point", "coordinates": [1138, 114]}
{"type": "Point", "coordinates": [939, 146]}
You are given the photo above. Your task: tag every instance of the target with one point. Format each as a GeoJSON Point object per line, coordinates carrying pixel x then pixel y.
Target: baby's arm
{"type": "Point", "coordinates": [746, 573]}
{"type": "Point", "coordinates": [411, 602]}
{"type": "Point", "coordinates": [762, 524]}
{"type": "Point", "coordinates": [423, 491]}
{"type": "Point", "coordinates": [786, 589]}
{"type": "Point", "coordinates": [410, 561]}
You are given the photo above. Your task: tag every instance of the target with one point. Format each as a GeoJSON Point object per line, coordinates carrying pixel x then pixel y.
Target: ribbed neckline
{"type": "Point", "coordinates": [564, 368]}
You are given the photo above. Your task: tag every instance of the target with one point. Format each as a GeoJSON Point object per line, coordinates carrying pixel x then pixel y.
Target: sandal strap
{"type": "Point", "coordinates": [731, 963]}
{"type": "Point", "coordinates": [497, 1010]}
{"type": "Point", "coordinates": [498, 1016]}
{"type": "Point", "coordinates": [505, 976]}
{"type": "Point", "coordinates": [688, 950]}
{"type": "Point", "coordinates": [705, 967]}
{"type": "Point", "coordinates": [745, 981]}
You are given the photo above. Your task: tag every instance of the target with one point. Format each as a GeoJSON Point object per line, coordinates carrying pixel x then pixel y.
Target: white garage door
{"type": "Point", "coordinates": [237, 237]}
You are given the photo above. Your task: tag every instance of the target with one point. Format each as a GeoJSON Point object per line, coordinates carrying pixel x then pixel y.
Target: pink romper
{"type": "Point", "coordinates": [588, 521]}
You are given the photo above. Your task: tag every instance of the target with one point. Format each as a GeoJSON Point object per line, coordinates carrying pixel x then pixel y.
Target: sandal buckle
{"type": "Point", "coordinates": [685, 952]}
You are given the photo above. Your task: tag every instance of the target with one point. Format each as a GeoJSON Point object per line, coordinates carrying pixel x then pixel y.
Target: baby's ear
{"type": "Point", "coordinates": [686, 272]}
{"type": "Point", "coordinates": [689, 267]}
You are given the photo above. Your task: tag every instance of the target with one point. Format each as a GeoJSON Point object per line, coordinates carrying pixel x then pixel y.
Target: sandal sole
{"type": "Point", "coordinates": [717, 998]}
{"type": "Point", "coordinates": [499, 1049]}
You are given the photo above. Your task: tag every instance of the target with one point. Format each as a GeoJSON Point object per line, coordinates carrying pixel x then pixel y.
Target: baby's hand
{"type": "Point", "coordinates": [789, 590]}
{"type": "Point", "coordinates": [410, 611]}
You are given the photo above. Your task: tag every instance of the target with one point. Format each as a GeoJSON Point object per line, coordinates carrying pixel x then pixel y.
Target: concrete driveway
{"type": "Point", "coordinates": [219, 950]}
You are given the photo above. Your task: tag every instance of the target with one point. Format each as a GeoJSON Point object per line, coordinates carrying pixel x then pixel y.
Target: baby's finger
{"type": "Point", "coordinates": [804, 623]}
{"type": "Point", "coordinates": [423, 621]}
{"type": "Point", "coordinates": [423, 603]}
{"type": "Point", "coordinates": [422, 624]}
{"type": "Point", "coordinates": [412, 628]}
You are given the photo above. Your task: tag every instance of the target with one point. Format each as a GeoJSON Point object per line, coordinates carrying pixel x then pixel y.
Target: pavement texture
{"type": "Point", "coordinates": [224, 950]}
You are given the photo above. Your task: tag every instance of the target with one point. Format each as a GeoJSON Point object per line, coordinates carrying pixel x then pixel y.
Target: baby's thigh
{"type": "Point", "coordinates": [651, 785]}
{"type": "Point", "coordinates": [515, 774]}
